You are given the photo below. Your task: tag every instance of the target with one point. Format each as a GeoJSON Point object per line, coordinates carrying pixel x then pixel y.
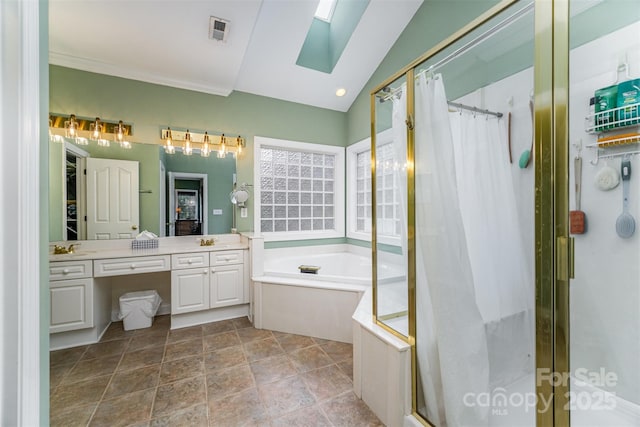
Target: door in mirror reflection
{"type": "Point", "coordinates": [112, 199]}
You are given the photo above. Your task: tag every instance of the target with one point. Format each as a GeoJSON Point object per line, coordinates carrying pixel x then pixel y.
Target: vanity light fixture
{"type": "Point", "coordinates": [222, 152]}
{"type": "Point", "coordinates": [239, 145]}
{"type": "Point", "coordinates": [190, 143]}
{"type": "Point", "coordinates": [120, 133]}
{"type": "Point", "coordinates": [71, 127]}
{"type": "Point", "coordinates": [96, 129]}
{"type": "Point", "coordinates": [205, 151]}
{"type": "Point", "coordinates": [168, 148]}
{"type": "Point", "coordinates": [188, 150]}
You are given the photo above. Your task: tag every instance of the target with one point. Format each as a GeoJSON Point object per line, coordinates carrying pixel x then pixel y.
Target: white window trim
{"type": "Point", "coordinates": [339, 185]}
{"type": "Point", "coordinates": [352, 158]}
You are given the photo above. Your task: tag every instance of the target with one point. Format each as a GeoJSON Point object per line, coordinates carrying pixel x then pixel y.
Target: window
{"type": "Point", "coordinates": [359, 191]}
{"type": "Point", "coordinates": [300, 190]}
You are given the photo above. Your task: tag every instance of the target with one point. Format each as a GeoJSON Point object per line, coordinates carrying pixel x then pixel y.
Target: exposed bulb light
{"type": "Point", "coordinates": [188, 150]}
{"type": "Point", "coordinates": [222, 152]}
{"type": "Point", "coordinates": [71, 127]}
{"type": "Point", "coordinates": [168, 148]}
{"type": "Point", "coordinates": [120, 134]}
{"type": "Point", "coordinates": [96, 129]}
{"type": "Point", "coordinates": [341, 92]}
{"type": "Point", "coordinates": [239, 145]}
{"type": "Point", "coordinates": [205, 152]}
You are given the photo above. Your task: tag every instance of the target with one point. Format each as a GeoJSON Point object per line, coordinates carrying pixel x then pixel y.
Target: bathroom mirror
{"type": "Point", "coordinates": [68, 191]}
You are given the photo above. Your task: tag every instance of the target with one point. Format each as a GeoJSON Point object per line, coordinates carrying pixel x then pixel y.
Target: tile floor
{"type": "Point", "coordinates": [219, 374]}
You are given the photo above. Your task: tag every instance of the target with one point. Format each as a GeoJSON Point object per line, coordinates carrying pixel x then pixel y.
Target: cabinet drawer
{"type": "Point", "coordinates": [133, 265]}
{"type": "Point", "coordinates": [226, 258]}
{"type": "Point", "coordinates": [189, 260]}
{"type": "Point", "coordinates": [59, 270]}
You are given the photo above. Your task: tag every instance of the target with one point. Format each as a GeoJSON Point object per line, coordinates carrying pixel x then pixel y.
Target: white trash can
{"type": "Point", "coordinates": [137, 309]}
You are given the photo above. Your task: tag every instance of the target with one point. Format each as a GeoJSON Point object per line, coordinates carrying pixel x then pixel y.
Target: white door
{"type": "Point", "coordinates": [189, 290]}
{"type": "Point", "coordinates": [163, 201]}
{"type": "Point", "coordinates": [112, 199]}
{"type": "Point", "coordinates": [227, 285]}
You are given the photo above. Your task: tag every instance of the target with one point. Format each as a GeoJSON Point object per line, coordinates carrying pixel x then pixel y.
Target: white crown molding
{"type": "Point", "coordinates": [93, 66]}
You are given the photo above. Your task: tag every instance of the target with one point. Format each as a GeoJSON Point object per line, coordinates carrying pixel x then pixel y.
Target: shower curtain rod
{"type": "Point", "coordinates": [396, 92]}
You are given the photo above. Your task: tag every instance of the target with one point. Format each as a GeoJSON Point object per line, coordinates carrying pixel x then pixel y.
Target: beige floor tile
{"type": "Point", "coordinates": [190, 417]}
{"type": "Point", "coordinates": [66, 356]}
{"type": "Point", "coordinates": [272, 369]}
{"type": "Point", "coordinates": [151, 339]}
{"type": "Point", "coordinates": [124, 410]}
{"type": "Point", "coordinates": [229, 381]}
{"type": "Point", "coordinates": [241, 322]}
{"type": "Point", "coordinates": [182, 349]}
{"type": "Point", "coordinates": [348, 410]}
{"type": "Point", "coordinates": [305, 417]}
{"type": "Point", "coordinates": [219, 341]}
{"type": "Point", "coordinates": [285, 396]}
{"type": "Point", "coordinates": [80, 393]}
{"type": "Point", "coordinates": [243, 408]}
{"type": "Point", "coordinates": [224, 358]}
{"type": "Point", "coordinates": [124, 382]}
{"type": "Point", "coordinates": [310, 358]}
{"type": "Point", "coordinates": [90, 368]}
{"type": "Point", "coordinates": [141, 358]}
{"type": "Point", "coordinates": [179, 395]}
{"type": "Point", "coordinates": [107, 348]}
{"type": "Point", "coordinates": [252, 334]}
{"type": "Point", "coordinates": [218, 327]}
{"type": "Point", "coordinates": [78, 416]}
{"type": "Point", "coordinates": [256, 350]}
{"type": "Point", "coordinates": [327, 382]}
{"type": "Point", "coordinates": [184, 334]}
{"type": "Point", "coordinates": [346, 366]}
{"type": "Point", "coordinates": [181, 369]}
{"type": "Point", "coordinates": [290, 342]}
{"type": "Point", "coordinates": [57, 373]}
{"type": "Point", "coordinates": [338, 351]}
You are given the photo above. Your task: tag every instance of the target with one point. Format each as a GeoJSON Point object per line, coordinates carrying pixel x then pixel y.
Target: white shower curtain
{"type": "Point", "coordinates": [450, 335]}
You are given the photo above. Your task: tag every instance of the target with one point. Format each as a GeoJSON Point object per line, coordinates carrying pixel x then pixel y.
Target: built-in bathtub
{"type": "Point", "coordinates": [319, 305]}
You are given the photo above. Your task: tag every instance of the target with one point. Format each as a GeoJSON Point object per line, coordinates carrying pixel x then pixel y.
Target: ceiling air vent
{"type": "Point", "coordinates": [218, 29]}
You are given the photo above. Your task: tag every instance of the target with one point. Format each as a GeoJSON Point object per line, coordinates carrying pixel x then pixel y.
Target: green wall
{"type": "Point", "coordinates": [434, 21]}
{"type": "Point", "coordinates": [151, 107]}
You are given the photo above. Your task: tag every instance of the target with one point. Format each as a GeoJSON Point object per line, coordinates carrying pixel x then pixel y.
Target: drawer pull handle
{"type": "Point", "coordinates": [189, 261]}
{"type": "Point", "coordinates": [65, 271]}
{"type": "Point", "coordinates": [133, 266]}
{"type": "Point", "coordinates": [213, 270]}
{"type": "Point", "coordinates": [204, 272]}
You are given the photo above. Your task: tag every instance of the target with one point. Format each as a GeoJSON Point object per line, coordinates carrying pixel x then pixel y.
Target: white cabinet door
{"type": "Point", "coordinates": [227, 285]}
{"type": "Point", "coordinates": [112, 199]}
{"type": "Point", "coordinates": [71, 304]}
{"type": "Point", "coordinates": [189, 290]}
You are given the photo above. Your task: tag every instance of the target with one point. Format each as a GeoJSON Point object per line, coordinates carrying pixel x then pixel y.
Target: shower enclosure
{"type": "Point", "coordinates": [470, 167]}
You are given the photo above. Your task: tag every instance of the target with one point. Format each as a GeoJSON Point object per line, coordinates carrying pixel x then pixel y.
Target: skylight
{"type": "Point", "coordinates": [325, 9]}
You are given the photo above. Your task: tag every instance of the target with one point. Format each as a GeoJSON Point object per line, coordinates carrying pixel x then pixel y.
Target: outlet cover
{"type": "Point", "coordinates": [217, 211]}
{"type": "Point", "coordinates": [243, 212]}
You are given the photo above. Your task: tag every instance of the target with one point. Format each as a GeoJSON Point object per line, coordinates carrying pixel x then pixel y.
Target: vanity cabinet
{"type": "Point", "coordinates": [219, 284]}
{"type": "Point", "coordinates": [71, 296]}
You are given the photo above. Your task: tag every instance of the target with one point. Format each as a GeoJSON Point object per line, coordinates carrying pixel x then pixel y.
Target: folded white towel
{"type": "Point", "coordinates": [607, 178]}
{"type": "Point", "coordinates": [146, 235]}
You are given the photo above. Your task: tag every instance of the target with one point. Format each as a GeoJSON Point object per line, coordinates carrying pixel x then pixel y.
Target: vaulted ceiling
{"type": "Point", "coordinates": [166, 42]}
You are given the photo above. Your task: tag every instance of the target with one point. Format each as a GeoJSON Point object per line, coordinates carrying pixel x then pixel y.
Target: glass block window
{"type": "Point", "coordinates": [387, 201]}
{"type": "Point", "coordinates": [363, 192]}
{"type": "Point", "coordinates": [297, 190]}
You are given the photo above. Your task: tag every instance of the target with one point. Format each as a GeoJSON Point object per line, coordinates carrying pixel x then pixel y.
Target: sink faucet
{"type": "Point", "coordinates": [209, 242]}
{"type": "Point", "coordinates": [60, 249]}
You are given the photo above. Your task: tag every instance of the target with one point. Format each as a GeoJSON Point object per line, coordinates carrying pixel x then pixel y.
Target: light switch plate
{"type": "Point", "coordinates": [243, 212]}
{"type": "Point", "coordinates": [217, 211]}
